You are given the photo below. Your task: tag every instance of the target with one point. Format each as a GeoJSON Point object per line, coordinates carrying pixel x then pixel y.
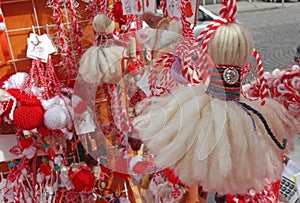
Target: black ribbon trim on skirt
{"type": "Point", "coordinates": [268, 129]}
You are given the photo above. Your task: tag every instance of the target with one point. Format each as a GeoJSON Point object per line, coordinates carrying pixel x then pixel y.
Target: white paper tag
{"type": "Point", "coordinates": [39, 46]}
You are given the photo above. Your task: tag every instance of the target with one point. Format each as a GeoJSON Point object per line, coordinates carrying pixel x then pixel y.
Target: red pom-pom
{"type": "Point", "coordinates": [83, 180]}
{"type": "Point", "coordinates": [28, 117]}
{"type": "Point", "coordinates": [25, 142]}
{"type": "Point", "coordinates": [45, 169]}
{"type": "Point", "coordinates": [188, 10]}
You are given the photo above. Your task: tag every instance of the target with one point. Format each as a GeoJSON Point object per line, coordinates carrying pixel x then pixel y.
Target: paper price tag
{"type": "Point", "coordinates": [39, 47]}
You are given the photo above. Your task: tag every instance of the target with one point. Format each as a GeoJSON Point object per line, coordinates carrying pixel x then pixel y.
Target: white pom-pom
{"type": "Point", "coordinates": [102, 24]}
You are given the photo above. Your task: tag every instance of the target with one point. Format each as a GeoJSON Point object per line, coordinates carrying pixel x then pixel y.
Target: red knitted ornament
{"type": "Point", "coordinates": [171, 177]}
{"type": "Point", "coordinates": [83, 180]}
{"type": "Point", "coordinates": [29, 114]}
{"type": "Point", "coordinates": [28, 117]}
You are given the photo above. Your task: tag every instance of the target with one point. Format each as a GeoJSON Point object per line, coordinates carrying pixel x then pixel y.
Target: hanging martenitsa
{"type": "Point", "coordinates": [210, 131]}
{"type": "Point", "coordinates": [98, 67]}
{"type": "Point", "coordinates": [113, 68]}
{"type": "Point", "coordinates": [100, 103]}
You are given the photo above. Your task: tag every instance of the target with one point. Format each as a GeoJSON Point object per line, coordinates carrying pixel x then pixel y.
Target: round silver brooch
{"type": "Point", "coordinates": [231, 76]}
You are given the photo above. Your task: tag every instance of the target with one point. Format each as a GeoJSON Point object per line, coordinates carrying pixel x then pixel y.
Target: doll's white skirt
{"type": "Point", "coordinates": [214, 143]}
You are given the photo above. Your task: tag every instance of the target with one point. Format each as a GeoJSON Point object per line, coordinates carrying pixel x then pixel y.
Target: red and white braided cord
{"type": "Point", "coordinates": [63, 44]}
{"type": "Point", "coordinates": [163, 6]}
{"type": "Point", "coordinates": [262, 80]}
{"type": "Point", "coordinates": [76, 31]}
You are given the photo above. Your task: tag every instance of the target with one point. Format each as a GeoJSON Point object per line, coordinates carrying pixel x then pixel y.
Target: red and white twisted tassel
{"type": "Point", "coordinates": [187, 48]}
{"type": "Point", "coordinates": [37, 79]}
{"type": "Point", "coordinates": [161, 88]}
{"type": "Point", "coordinates": [66, 52]}
{"type": "Point", "coordinates": [262, 80]}
{"type": "Point", "coordinates": [75, 29]}
{"type": "Point", "coordinates": [163, 6]}
{"type": "Point", "coordinates": [119, 116]}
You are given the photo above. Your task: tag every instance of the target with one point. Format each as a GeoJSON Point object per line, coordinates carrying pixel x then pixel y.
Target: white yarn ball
{"type": "Point", "coordinates": [55, 118]}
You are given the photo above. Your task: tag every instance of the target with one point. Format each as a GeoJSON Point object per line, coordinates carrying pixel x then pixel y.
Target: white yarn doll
{"type": "Point", "coordinates": [213, 136]}
{"type": "Point", "coordinates": [102, 63]}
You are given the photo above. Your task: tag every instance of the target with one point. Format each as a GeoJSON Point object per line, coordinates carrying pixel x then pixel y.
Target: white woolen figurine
{"type": "Point", "coordinates": [213, 136]}
{"type": "Point", "coordinates": [102, 64]}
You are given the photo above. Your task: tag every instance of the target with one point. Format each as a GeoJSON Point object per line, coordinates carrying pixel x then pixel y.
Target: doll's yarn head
{"type": "Point", "coordinates": [102, 24]}
{"type": "Point", "coordinates": [231, 45]}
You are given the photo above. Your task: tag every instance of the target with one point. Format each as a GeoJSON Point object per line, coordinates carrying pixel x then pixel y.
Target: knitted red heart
{"type": "Point", "coordinates": [28, 117]}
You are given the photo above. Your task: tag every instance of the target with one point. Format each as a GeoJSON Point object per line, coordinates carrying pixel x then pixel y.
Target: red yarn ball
{"type": "Point", "coordinates": [28, 117]}
{"type": "Point", "coordinates": [83, 180]}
